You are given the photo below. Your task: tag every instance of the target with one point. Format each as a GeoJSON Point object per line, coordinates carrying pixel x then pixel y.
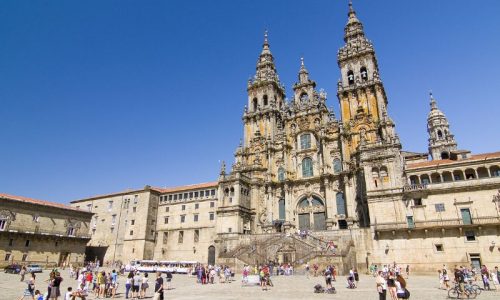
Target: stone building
{"type": "Point", "coordinates": [186, 223]}
{"type": "Point", "coordinates": [346, 180]}
{"type": "Point", "coordinates": [123, 226]}
{"type": "Point", "coordinates": [42, 232]}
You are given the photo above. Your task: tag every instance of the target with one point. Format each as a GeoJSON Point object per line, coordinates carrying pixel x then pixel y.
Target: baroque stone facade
{"type": "Point", "coordinates": [41, 232]}
{"type": "Point", "coordinates": [345, 180]}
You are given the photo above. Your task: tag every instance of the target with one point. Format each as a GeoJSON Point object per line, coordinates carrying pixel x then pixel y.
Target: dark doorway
{"type": "Point", "coordinates": [342, 224]}
{"type": "Point", "coordinates": [211, 255]}
{"type": "Point", "coordinates": [475, 261]}
{"type": "Point", "coordinates": [95, 253]}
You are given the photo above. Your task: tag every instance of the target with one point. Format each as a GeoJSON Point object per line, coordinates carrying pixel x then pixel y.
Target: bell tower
{"type": "Point", "coordinates": [266, 95]}
{"type": "Point", "coordinates": [441, 140]}
{"type": "Point", "coordinates": [363, 102]}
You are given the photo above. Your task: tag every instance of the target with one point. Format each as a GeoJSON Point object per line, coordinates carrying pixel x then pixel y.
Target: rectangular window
{"type": "Point", "coordinates": [25, 257]}
{"type": "Point", "coordinates": [417, 201]}
{"type": "Point", "coordinates": [191, 195]}
{"type": "Point", "coordinates": [183, 207]}
{"type": "Point", "coordinates": [213, 193]}
{"type": "Point", "coordinates": [170, 197]}
{"type": "Point", "coordinates": [196, 194]}
{"type": "Point", "coordinates": [165, 237]}
{"type": "Point", "coordinates": [181, 237]}
{"type": "Point", "coordinates": [166, 220]}
{"type": "Point", "coordinates": [196, 218]}
{"type": "Point", "coordinates": [409, 221]}
{"type": "Point", "coordinates": [212, 204]}
{"type": "Point", "coordinates": [175, 197]}
{"type": "Point", "coordinates": [113, 220]}
{"type": "Point", "coordinates": [134, 209]}
{"type": "Point", "coordinates": [305, 141]}
{"type": "Point", "coordinates": [202, 193]}
{"type": "Point", "coordinates": [131, 232]}
{"type": "Point", "coordinates": [229, 229]}
{"type": "Point", "coordinates": [180, 196]}
{"type": "Point", "coordinates": [439, 207]}
{"type": "Point", "coordinates": [27, 243]}
{"type": "Point", "coordinates": [211, 216]}
{"type": "Point", "coordinates": [281, 209]}
{"type": "Point", "coordinates": [89, 207]}
{"type": "Point", "coordinates": [196, 235]}
{"type": "Point", "coordinates": [136, 199]}
{"type": "Point", "coordinates": [110, 205]}
{"type": "Point", "coordinates": [183, 218]}
{"type": "Point", "coordinates": [7, 256]}
{"type": "Point", "coordinates": [132, 222]}
{"type": "Point", "coordinates": [186, 195]}
{"type": "Point", "coordinates": [11, 242]}
{"type": "Point", "coordinates": [470, 236]}
{"type": "Point", "coordinates": [466, 216]}
{"type": "Point", "coordinates": [439, 247]}
{"type": "Point", "coordinates": [167, 209]}
{"type": "Point", "coordinates": [196, 205]}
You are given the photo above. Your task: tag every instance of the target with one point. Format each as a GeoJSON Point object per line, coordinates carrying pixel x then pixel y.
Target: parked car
{"type": "Point", "coordinates": [13, 269]}
{"type": "Point", "coordinates": [34, 269]}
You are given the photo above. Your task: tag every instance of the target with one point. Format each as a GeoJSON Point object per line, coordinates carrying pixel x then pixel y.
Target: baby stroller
{"type": "Point", "coordinates": [318, 289]}
{"type": "Point", "coordinates": [350, 283]}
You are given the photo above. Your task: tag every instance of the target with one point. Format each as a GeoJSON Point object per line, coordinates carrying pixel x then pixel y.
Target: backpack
{"type": "Point", "coordinates": [407, 294]}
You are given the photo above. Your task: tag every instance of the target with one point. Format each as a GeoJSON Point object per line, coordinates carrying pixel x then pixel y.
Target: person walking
{"type": "Point", "coordinates": [307, 270]}
{"type": "Point", "coordinates": [136, 285]}
{"type": "Point", "coordinates": [144, 286]}
{"type": "Point", "coordinates": [158, 287]}
{"type": "Point", "coordinates": [381, 286]}
{"type": "Point", "coordinates": [22, 273]}
{"type": "Point", "coordinates": [128, 284]}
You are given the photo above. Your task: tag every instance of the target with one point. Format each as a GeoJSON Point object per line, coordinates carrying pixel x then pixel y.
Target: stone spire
{"type": "Point", "coordinates": [441, 140]}
{"type": "Point", "coordinates": [266, 70]}
{"type": "Point", "coordinates": [303, 73]}
{"type": "Point", "coordinates": [354, 27]}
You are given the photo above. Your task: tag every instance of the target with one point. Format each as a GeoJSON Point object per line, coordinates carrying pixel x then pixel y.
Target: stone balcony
{"type": "Point", "coordinates": [45, 232]}
{"type": "Point", "coordinates": [437, 224]}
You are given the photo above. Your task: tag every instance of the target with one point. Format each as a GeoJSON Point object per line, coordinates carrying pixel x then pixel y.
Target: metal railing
{"type": "Point", "coordinates": [414, 187]}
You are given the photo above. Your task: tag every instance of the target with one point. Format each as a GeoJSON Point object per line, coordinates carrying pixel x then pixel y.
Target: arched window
{"type": "Point", "coordinates": [307, 167]}
{"type": "Point", "coordinates": [265, 100]}
{"type": "Point", "coordinates": [281, 209]}
{"type": "Point", "coordinates": [364, 73]}
{"type": "Point", "coordinates": [337, 165]}
{"type": "Point", "coordinates": [254, 104]}
{"type": "Point", "coordinates": [304, 203]}
{"type": "Point", "coordinates": [445, 155]}
{"type": "Point", "coordinates": [316, 202]}
{"type": "Point", "coordinates": [341, 206]}
{"type": "Point", "coordinates": [303, 97]}
{"type": "Point", "coordinates": [281, 174]}
{"type": "Point", "coordinates": [305, 141]}
{"type": "Point", "coordinates": [440, 134]}
{"type": "Point", "coordinates": [383, 172]}
{"type": "Point", "coordinates": [414, 180]}
{"type": "Point", "coordinates": [350, 77]}
{"type": "Point", "coordinates": [495, 171]}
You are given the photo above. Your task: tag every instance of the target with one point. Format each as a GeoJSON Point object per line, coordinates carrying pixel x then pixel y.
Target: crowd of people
{"type": "Point", "coordinates": [465, 275]}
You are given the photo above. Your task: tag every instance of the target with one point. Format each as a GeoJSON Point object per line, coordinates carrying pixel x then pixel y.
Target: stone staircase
{"type": "Point", "coordinates": [258, 249]}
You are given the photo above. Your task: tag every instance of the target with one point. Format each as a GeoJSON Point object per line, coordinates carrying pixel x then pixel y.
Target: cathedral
{"type": "Point", "coordinates": [345, 180]}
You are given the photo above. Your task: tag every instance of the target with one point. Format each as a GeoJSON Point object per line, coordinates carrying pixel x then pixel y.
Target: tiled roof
{"type": "Point", "coordinates": [442, 162]}
{"type": "Point", "coordinates": [38, 202]}
{"type": "Point", "coordinates": [189, 187]}
{"type": "Point", "coordinates": [125, 192]}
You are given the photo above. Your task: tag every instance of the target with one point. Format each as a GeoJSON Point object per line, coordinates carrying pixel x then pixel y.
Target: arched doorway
{"type": "Point", "coordinates": [311, 213]}
{"type": "Point", "coordinates": [211, 255]}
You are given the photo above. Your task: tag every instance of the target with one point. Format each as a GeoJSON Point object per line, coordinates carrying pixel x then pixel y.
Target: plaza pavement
{"type": "Point", "coordinates": [285, 287]}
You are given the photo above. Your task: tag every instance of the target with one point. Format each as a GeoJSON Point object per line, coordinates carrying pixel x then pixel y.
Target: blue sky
{"type": "Point", "coordinates": [100, 96]}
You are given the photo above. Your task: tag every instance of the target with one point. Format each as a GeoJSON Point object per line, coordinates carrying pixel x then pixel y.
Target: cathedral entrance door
{"type": "Point", "coordinates": [304, 221]}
